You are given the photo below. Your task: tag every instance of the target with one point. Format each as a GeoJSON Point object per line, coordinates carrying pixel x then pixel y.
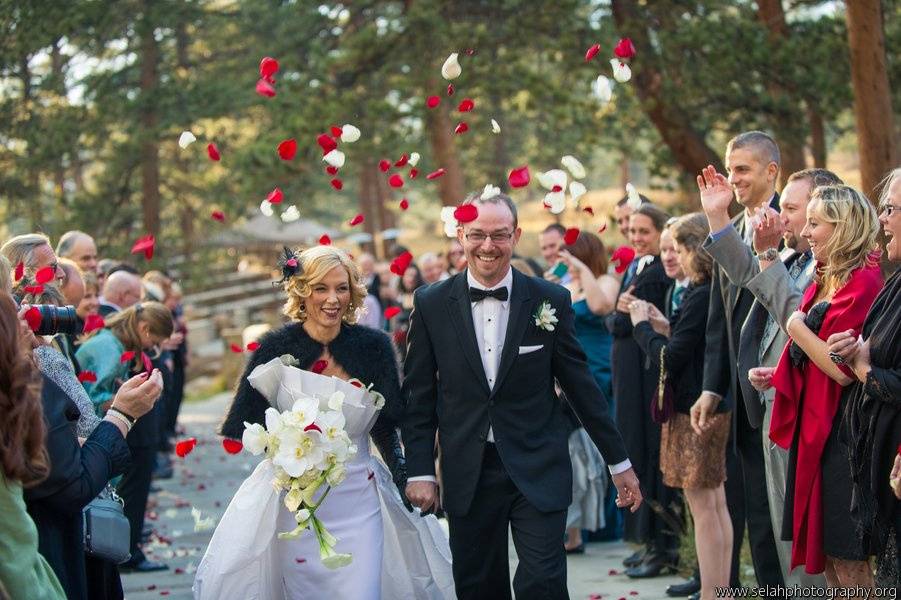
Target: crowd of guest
{"type": "Point", "coordinates": [92, 360]}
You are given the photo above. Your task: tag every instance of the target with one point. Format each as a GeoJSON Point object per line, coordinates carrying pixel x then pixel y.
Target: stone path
{"type": "Point", "coordinates": [207, 478]}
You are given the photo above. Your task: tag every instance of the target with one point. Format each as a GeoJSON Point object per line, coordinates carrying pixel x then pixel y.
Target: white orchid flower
{"type": "Point", "coordinates": [573, 165]}
{"type": "Point", "coordinates": [495, 126]}
{"type": "Point", "coordinates": [603, 89]}
{"type": "Point", "coordinates": [255, 438]}
{"type": "Point", "coordinates": [553, 178]}
{"type": "Point", "coordinates": [302, 413]}
{"type": "Point", "coordinates": [349, 134]}
{"type": "Point", "coordinates": [621, 71]}
{"type": "Point", "coordinates": [414, 159]}
{"type": "Point", "coordinates": [332, 424]}
{"type": "Point", "coordinates": [335, 158]}
{"type": "Point", "coordinates": [298, 451]}
{"type": "Point", "coordinates": [556, 201]}
{"type": "Point", "coordinates": [576, 190]}
{"type": "Point", "coordinates": [451, 68]}
{"type": "Point", "coordinates": [186, 139]}
{"type": "Point", "coordinates": [291, 214]}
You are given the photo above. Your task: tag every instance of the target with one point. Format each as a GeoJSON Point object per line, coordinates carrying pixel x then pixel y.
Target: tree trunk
{"type": "Point", "coordinates": [872, 98]}
{"type": "Point", "coordinates": [786, 118]}
{"type": "Point", "coordinates": [817, 134]}
{"type": "Point", "coordinates": [32, 192]}
{"type": "Point", "coordinates": [672, 122]}
{"type": "Point", "coordinates": [149, 120]}
{"type": "Point", "coordinates": [369, 182]}
{"type": "Point", "coordinates": [59, 86]}
{"type": "Point", "coordinates": [452, 186]}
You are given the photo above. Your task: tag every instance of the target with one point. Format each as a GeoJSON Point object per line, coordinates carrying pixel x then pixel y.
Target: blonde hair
{"type": "Point", "coordinates": [315, 263]}
{"type": "Point", "coordinates": [69, 266]}
{"type": "Point", "coordinates": [885, 186]}
{"type": "Point", "coordinates": [90, 281]}
{"type": "Point", "coordinates": [124, 325]}
{"type": "Point", "coordinates": [854, 238]}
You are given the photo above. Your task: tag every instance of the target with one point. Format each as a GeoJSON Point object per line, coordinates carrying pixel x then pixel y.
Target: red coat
{"type": "Point", "coordinates": [820, 393]}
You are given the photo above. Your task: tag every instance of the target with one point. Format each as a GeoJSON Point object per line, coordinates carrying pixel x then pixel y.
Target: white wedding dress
{"type": "Point", "coordinates": [396, 554]}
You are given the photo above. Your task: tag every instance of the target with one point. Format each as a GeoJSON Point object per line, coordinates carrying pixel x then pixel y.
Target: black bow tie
{"type": "Point", "coordinates": [477, 295]}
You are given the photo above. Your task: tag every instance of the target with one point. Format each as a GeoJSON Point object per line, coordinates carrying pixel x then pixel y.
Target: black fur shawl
{"type": "Point", "coordinates": [362, 352]}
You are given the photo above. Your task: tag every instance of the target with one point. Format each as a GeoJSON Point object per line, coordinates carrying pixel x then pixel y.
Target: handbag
{"type": "Point", "coordinates": [662, 403]}
{"type": "Point", "coordinates": [107, 533]}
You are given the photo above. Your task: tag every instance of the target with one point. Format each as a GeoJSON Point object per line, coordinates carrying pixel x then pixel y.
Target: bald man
{"type": "Point", "coordinates": [80, 247]}
{"type": "Point", "coordinates": [120, 290]}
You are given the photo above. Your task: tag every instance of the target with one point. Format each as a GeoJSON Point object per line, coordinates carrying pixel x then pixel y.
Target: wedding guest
{"type": "Point", "coordinates": [811, 389]}
{"type": "Point", "coordinates": [621, 213]}
{"type": "Point", "coordinates": [24, 572]}
{"type": "Point", "coordinates": [34, 252]}
{"type": "Point", "coordinates": [550, 241]}
{"type": "Point", "coordinates": [455, 257]}
{"type": "Point", "coordinates": [634, 380]}
{"type": "Point", "coordinates": [72, 283]}
{"type": "Point", "coordinates": [432, 268]}
{"type": "Point", "coordinates": [6, 282]}
{"type": "Point", "coordinates": [121, 289]}
{"type": "Point", "coordinates": [90, 301]}
{"type": "Point", "coordinates": [80, 248]}
{"type": "Point", "coordinates": [410, 282]}
{"type": "Point", "coordinates": [690, 459]}
{"type": "Point", "coordinates": [874, 406]}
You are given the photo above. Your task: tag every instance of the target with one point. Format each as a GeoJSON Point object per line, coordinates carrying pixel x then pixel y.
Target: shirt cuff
{"type": "Point", "coordinates": [718, 396]}
{"type": "Point", "coordinates": [620, 467]}
{"type": "Point", "coordinates": [431, 478]}
{"type": "Point", "coordinates": [715, 235]}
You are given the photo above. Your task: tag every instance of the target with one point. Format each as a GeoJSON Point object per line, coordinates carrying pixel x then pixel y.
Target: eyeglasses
{"type": "Point", "coordinates": [888, 209]}
{"type": "Point", "coordinates": [498, 237]}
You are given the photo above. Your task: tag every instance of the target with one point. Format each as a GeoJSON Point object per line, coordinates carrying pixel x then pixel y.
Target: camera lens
{"type": "Point", "coordinates": [57, 319]}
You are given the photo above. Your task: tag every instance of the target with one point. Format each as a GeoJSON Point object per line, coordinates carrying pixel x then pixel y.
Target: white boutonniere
{"type": "Point", "coordinates": [545, 316]}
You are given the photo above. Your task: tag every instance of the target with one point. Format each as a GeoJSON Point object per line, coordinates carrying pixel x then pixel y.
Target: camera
{"type": "Point", "coordinates": [57, 319]}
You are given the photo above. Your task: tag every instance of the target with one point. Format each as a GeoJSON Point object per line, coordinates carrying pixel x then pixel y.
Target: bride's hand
{"type": "Point", "coordinates": [423, 494]}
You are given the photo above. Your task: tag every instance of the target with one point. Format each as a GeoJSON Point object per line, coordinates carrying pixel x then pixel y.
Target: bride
{"type": "Point", "coordinates": [396, 552]}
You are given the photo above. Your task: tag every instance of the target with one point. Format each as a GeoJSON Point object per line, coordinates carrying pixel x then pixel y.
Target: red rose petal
{"type": "Point", "coordinates": [433, 101]}
{"type": "Point", "coordinates": [466, 105]}
{"type": "Point", "coordinates": [268, 67]}
{"type": "Point", "coordinates": [93, 322]}
{"type": "Point", "coordinates": [470, 51]}
{"type": "Point", "coordinates": [466, 213]}
{"type": "Point", "coordinates": [356, 383]}
{"type": "Point", "coordinates": [34, 290]}
{"type": "Point", "coordinates": [404, 204]}
{"type": "Point", "coordinates": [20, 271]}
{"type": "Point", "coordinates": [252, 346]}
{"type": "Point", "coordinates": [571, 235]}
{"type": "Point", "coordinates": [331, 170]}
{"type": "Point", "coordinates": [87, 377]}
{"type": "Point", "coordinates": [450, 89]}
{"type": "Point", "coordinates": [264, 88]}
{"type": "Point", "coordinates": [145, 245]}
{"type": "Point", "coordinates": [287, 149]}
{"type": "Point", "coordinates": [236, 348]}
{"type": "Point", "coordinates": [624, 49]}
{"type": "Point", "coordinates": [556, 188]}
{"type": "Point", "coordinates": [356, 220]}
{"type": "Point", "coordinates": [184, 447]}
{"type": "Point", "coordinates": [179, 571]}
{"type": "Point", "coordinates": [45, 274]}
{"type": "Point", "coordinates": [319, 366]}
{"type": "Point", "coordinates": [384, 165]}
{"type": "Point", "coordinates": [400, 162]}
{"type": "Point", "coordinates": [33, 318]}
{"type": "Point", "coordinates": [603, 228]}
{"type": "Point", "coordinates": [461, 127]}
{"type": "Point", "coordinates": [213, 152]}
{"type": "Point", "coordinates": [391, 312]}
{"type": "Point", "coordinates": [218, 215]}
{"type": "Point", "coordinates": [589, 210]}
{"type": "Point", "coordinates": [414, 172]}
{"type": "Point", "coordinates": [326, 142]}
{"type": "Point", "coordinates": [232, 446]}
{"type": "Point", "coordinates": [336, 131]}
{"type": "Point", "coordinates": [400, 264]}
{"type": "Point", "coordinates": [300, 560]}
{"type": "Point", "coordinates": [633, 593]}
{"type": "Point", "coordinates": [275, 196]}
{"type": "Point", "coordinates": [337, 183]}
{"type": "Point", "coordinates": [325, 240]}
{"type": "Point", "coordinates": [126, 356]}
{"type": "Point", "coordinates": [148, 366]}
{"type": "Point", "coordinates": [519, 177]}
{"type": "Point", "coordinates": [622, 257]}
{"type": "Point", "coordinates": [592, 52]}
{"type": "Point", "coordinates": [396, 181]}
{"type": "Point", "coordinates": [436, 174]}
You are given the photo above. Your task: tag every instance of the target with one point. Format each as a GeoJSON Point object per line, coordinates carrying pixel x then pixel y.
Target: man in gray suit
{"type": "Point", "coordinates": [777, 280]}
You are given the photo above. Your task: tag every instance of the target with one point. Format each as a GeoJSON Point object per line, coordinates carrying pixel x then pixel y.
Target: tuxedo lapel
{"type": "Point", "coordinates": [460, 311]}
{"type": "Point", "coordinates": [516, 325]}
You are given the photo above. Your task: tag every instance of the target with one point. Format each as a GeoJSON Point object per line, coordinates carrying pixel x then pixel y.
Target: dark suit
{"type": "Point", "coordinates": [746, 477]}
{"type": "Point", "coordinates": [524, 479]}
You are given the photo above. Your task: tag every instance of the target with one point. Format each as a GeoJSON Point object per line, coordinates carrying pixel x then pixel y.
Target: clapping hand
{"type": "Point", "coordinates": [716, 193]}
{"type": "Point", "coordinates": [761, 378]}
{"type": "Point", "coordinates": [638, 311]}
{"type": "Point", "coordinates": [768, 230]}
{"type": "Point", "coordinates": [659, 322]}
{"type": "Point", "coordinates": [625, 299]}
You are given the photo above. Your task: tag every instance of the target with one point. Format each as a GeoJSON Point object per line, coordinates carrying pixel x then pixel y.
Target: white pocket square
{"type": "Point", "coordinates": [527, 349]}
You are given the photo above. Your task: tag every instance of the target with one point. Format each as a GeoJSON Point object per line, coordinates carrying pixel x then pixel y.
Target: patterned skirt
{"type": "Point", "coordinates": [689, 460]}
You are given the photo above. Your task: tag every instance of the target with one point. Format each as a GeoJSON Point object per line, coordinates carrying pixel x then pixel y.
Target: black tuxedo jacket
{"type": "Point", "coordinates": [446, 391]}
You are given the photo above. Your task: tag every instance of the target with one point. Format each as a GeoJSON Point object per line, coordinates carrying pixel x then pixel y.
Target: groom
{"type": "Point", "coordinates": [480, 372]}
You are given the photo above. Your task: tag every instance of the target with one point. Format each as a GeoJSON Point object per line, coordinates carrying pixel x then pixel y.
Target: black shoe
{"type": "Point", "coordinates": [580, 549]}
{"type": "Point", "coordinates": [145, 566]}
{"type": "Point", "coordinates": [687, 588]}
{"type": "Point", "coordinates": [653, 566]}
{"type": "Point", "coordinates": [163, 468]}
{"type": "Point", "coordinates": [695, 596]}
{"type": "Point", "coordinates": [146, 533]}
{"type": "Point", "coordinates": [635, 559]}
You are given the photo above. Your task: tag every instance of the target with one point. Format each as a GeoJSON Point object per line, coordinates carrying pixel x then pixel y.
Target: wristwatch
{"type": "Point", "coordinates": [770, 254]}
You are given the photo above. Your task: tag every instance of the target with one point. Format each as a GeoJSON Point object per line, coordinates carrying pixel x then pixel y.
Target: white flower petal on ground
{"type": "Point", "coordinates": [291, 214]}
{"type": "Point", "coordinates": [621, 71]}
{"type": "Point", "coordinates": [266, 208]}
{"type": "Point", "coordinates": [451, 68]}
{"type": "Point", "coordinates": [255, 438]}
{"type": "Point", "coordinates": [202, 524]}
{"type": "Point", "coordinates": [335, 158]}
{"type": "Point", "coordinates": [634, 200]}
{"type": "Point", "coordinates": [553, 178]}
{"type": "Point", "coordinates": [573, 165]}
{"type": "Point", "coordinates": [414, 159]}
{"type": "Point", "coordinates": [186, 139]}
{"type": "Point", "coordinates": [576, 190]}
{"type": "Point", "coordinates": [556, 201]}
{"type": "Point", "coordinates": [603, 89]}
{"type": "Point", "coordinates": [495, 126]}
{"type": "Point", "coordinates": [349, 134]}
{"type": "Point", "coordinates": [490, 191]}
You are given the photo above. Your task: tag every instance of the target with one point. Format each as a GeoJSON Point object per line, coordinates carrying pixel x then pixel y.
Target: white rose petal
{"type": "Point", "coordinates": [634, 200]}
{"type": "Point", "coordinates": [603, 89]}
{"type": "Point", "coordinates": [553, 178]}
{"type": "Point", "coordinates": [335, 158]}
{"type": "Point", "coordinates": [186, 139]}
{"type": "Point", "coordinates": [290, 214]}
{"type": "Point", "coordinates": [202, 524]}
{"type": "Point", "coordinates": [490, 191]}
{"type": "Point", "coordinates": [451, 67]}
{"type": "Point", "coordinates": [576, 190]}
{"type": "Point", "coordinates": [414, 159]}
{"type": "Point", "coordinates": [349, 134]}
{"type": "Point", "coordinates": [266, 208]}
{"type": "Point", "coordinates": [573, 165]}
{"type": "Point", "coordinates": [495, 127]}
{"type": "Point", "coordinates": [556, 201]}
{"type": "Point", "coordinates": [255, 438]}
{"type": "Point", "coordinates": [621, 71]}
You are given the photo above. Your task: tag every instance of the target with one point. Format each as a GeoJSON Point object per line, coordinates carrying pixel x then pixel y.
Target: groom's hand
{"type": "Point", "coordinates": [423, 494]}
{"type": "Point", "coordinates": [628, 491]}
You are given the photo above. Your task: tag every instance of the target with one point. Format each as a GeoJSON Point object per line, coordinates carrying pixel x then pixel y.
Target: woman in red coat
{"type": "Point", "coordinates": [810, 388]}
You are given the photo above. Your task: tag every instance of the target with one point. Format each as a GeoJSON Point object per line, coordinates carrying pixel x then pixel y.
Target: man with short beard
{"type": "Point", "coordinates": [778, 281]}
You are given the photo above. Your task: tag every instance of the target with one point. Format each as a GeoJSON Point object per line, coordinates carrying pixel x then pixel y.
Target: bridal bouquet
{"type": "Point", "coordinates": [309, 446]}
